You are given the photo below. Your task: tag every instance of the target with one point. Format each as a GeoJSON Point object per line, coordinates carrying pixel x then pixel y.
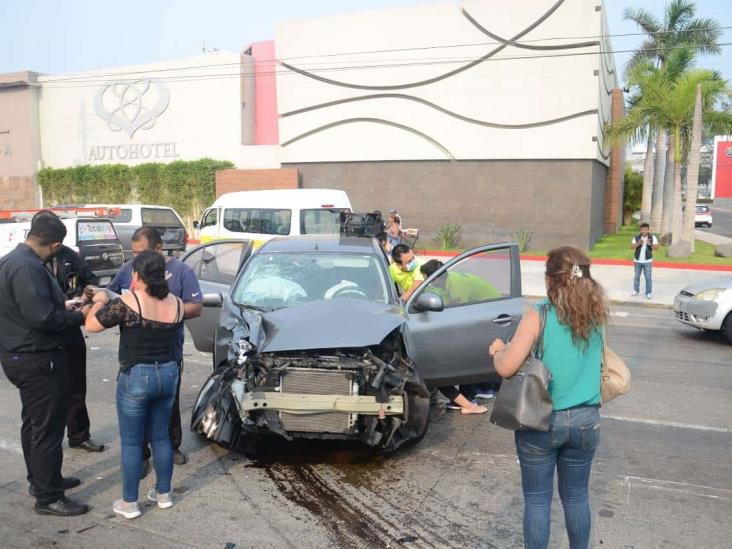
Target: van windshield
{"type": "Point", "coordinates": [257, 220]}
{"type": "Point", "coordinates": [321, 221]}
{"type": "Point", "coordinates": [95, 231]}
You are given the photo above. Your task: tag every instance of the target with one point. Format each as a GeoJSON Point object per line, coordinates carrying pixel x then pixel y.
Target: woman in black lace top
{"type": "Point", "coordinates": [148, 318]}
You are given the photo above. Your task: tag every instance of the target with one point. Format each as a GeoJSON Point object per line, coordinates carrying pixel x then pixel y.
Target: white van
{"type": "Point", "coordinates": [262, 215]}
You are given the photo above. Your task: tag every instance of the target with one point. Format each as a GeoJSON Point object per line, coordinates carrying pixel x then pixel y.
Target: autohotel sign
{"type": "Point", "coordinates": [131, 107]}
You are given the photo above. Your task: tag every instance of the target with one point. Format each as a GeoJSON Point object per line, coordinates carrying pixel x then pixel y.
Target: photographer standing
{"type": "Point", "coordinates": [33, 319]}
{"type": "Point", "coordinates": [643, 244]}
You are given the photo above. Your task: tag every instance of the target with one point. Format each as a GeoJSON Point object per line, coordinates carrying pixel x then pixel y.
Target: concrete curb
{"type": "Point", "coordinates": [620, 303]}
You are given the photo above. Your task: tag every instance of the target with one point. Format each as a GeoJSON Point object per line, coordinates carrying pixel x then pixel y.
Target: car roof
{"type": "Point", "coordinates": [323, 243]}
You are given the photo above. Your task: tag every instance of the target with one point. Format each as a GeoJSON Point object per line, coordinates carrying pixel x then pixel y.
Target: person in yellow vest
{"type": "Point", "coordinates": [405, 270]}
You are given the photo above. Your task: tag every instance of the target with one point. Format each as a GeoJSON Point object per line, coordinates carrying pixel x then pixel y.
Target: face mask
{"type": "Point", "coordinates": [412, 265]}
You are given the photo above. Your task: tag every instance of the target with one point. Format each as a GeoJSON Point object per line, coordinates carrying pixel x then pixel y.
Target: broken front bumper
{"type": "Point", "coordinates": [293, 403]}
{"type": "Point", "coordinates": [697, 313]}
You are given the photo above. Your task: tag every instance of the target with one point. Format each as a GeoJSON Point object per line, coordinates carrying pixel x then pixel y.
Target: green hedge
{"type": "Point", "coordinates": [187, 186]}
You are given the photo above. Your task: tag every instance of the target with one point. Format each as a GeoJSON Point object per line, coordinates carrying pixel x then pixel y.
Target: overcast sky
{"type": "Point", "coordinates": [53, 36]}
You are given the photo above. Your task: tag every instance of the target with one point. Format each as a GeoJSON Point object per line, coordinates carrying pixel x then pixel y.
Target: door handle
{"type": "Point", "coordinates": [503, 319]}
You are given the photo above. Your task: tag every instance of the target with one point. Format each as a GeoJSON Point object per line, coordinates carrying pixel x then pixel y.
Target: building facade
{"type": "Point", "coordinates": [474, 114]}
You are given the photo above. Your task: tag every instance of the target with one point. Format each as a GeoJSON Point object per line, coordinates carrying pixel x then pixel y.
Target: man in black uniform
{"type": "Point", "coordinates": [33, 319]}
{"type": "Point", "coordinates": [73, 275]}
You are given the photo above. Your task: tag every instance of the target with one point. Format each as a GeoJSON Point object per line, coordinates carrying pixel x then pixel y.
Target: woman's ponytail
{"type": "Point", "coordinates": [150, 267]}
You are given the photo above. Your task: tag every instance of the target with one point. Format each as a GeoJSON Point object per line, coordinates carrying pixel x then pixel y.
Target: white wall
{"type": "Point", "coordinates": [203, 116]}
{"type": "Point", "coordinates": [515, 91]}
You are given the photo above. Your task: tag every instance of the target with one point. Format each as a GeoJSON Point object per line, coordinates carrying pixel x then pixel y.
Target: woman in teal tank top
{"type": "Point", "coordinates": [573, 343]}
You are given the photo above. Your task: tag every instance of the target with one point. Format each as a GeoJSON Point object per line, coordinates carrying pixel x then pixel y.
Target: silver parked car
{"type": "Point", "coordinates": [707, 306]}
{"type": "Point", "coordinates": [313, 341]}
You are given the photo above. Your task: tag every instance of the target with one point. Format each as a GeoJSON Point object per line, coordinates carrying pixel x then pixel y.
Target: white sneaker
{"type": "Point", "coordinates": [485, 396]}
{"type": "Point", "coordinates": [126, 509]}
{"type": "Point", "coordinates": [634, 294]}
{"type": "Point", "coordinates": [648, 296]}
{"type": "Point", "coordinates": [164, 501]}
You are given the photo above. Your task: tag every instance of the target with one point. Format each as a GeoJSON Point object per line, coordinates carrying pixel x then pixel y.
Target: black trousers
{"type": "Point", "coordinates": [174, 427]}
{"type": "Point", "coordinates": [41, 379]}
{"type": "Point", "coordinates": [77, 419]}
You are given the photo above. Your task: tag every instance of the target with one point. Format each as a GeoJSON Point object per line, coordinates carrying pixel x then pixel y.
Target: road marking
{"type": "Point", "coordinates": [11, 446]}
{"type": "Point", "coordinates": [673, 486]}
{"type": "Point", "coordinates": [669, 424]}
{"type": "Point", "coordinates": [620, 314]}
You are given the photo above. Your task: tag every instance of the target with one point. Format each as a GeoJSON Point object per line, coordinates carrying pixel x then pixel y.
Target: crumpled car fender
{"type": "Point", "coordinates": [215, 414]}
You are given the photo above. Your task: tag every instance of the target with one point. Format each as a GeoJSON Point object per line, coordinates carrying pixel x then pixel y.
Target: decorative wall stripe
{"type": "Point", "coordinates": [440, 109]}
{"type": "Point", "coordinates": [515, 44]}
{"type": "Point", "coordinates": [434, 79]}
{"type": "Point", "coordinates": [373, 121]}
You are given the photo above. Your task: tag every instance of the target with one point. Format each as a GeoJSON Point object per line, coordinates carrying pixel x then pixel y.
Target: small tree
{"type": "Point", "coordinates": [632, 195]}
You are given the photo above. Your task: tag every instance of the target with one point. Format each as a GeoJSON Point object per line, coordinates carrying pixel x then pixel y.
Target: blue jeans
{"type": "Point", "coordinates": [145, 397]}
{"type": "Point", "coordinates": [647, 270]}
{"type": "Point", "coordinates": [568, 446]}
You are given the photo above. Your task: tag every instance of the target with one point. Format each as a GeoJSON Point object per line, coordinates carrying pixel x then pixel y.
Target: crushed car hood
{"type": "Point", "coordinates": [327, 324]}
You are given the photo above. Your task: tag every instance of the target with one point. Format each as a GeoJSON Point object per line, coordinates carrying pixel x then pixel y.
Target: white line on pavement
{"type": "Point", "coordinates": [683, 487]}
{"type": "Point", "coordinates": [668, 424]}
{"type": "Point", "coordinates": [11, 446]}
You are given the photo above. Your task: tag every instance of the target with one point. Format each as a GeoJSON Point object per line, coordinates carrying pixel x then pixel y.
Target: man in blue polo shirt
{"type": "Point", "coordinates": [183, 283]}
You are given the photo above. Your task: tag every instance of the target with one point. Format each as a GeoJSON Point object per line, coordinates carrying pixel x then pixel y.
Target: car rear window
{"type": "Point", "coordinates": [160, 216]}
{"type": "Point", "coordinates": [125, 216]}
{"type": "Point", "coordinates": [321, 221]}
{"type": "Point", "coordinates": [702, 209]}
{"type": "Point", "coordinates": [95, 231]}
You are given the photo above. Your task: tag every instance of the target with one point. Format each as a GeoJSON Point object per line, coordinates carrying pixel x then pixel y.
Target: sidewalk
{"type": "Point", "coordinates": [711, 238]}
{"type": "Point", "coordinates": [618, 282]}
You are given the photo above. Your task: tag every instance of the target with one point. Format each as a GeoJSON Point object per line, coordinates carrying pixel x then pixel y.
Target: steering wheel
{"type": "Point", "coordinates": [356, 293]}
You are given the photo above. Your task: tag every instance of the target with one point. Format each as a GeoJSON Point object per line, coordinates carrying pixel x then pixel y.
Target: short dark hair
{"type": "Point", "coordinates": [150, 234]}
{"type": "Point", "coordinates": [47, 229]}
{"type": "Point", "coordinates": [398, 251]}
{"type": "Point", "coordinates": [645, 226]}
{"type": "Point", "coordinates": [41, 213]}
{"type": "Point", "coordinates": [431, 267]}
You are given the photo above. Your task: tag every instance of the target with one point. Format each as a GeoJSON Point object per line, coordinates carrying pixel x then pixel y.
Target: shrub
{"type": "Point", "coordinates": [523, 238]}
{"type": "Point", "coordinates": [449, 235]}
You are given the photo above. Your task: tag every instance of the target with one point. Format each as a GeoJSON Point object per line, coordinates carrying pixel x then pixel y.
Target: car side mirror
{"type": "Point", "coordinates": [428, 302]}
{"type": "Point", "coordinates": [214, 299]}
{"type": "Point", "coordinates": [195, 224]}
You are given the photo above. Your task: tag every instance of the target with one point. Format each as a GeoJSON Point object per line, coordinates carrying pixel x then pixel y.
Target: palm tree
{"type": "Point", "coordinates": [679, 27]}
{"type": "Point", "coordinates": [708, 93]}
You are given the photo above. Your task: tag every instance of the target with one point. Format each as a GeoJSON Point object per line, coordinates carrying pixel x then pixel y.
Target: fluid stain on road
{"type": "Point", "coordinates": [346, 489]}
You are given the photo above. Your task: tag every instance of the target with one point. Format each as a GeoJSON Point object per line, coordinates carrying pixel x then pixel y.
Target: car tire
{"type": "Point", "coordinates": [727, 328]}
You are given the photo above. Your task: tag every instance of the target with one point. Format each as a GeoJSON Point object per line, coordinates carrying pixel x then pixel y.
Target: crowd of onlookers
{"type": "Point", "coordinates": [46, 296]}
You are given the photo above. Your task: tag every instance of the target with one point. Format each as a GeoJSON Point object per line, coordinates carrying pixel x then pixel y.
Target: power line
{"type": "Point", "coordinates": [267, 61]}
{"type": "Point", "coordinates": [65, 83]}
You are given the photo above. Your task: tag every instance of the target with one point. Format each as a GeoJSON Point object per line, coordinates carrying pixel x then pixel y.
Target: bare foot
{"type": "Point", "coordinates": [474, 409]}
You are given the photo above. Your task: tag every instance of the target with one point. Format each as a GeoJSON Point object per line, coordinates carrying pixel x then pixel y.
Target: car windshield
{"type": "Point", "coordinates": [278, 280]}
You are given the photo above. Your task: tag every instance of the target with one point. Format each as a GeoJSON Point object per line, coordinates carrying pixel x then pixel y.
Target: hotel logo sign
{"type": "Point", "coordinates": [131, 106]}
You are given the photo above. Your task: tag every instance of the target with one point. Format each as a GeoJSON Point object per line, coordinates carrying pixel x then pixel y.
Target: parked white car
{"type": "Point", "coordinates": [707, 306]}
{"type": "Point", "coordinates": [703, 217]}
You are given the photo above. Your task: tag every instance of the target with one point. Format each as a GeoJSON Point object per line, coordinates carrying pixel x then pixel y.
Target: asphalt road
{"type": "Point", "coordinates": [662, 476]}
{"type": "Point", "coordinates": [722, 217]}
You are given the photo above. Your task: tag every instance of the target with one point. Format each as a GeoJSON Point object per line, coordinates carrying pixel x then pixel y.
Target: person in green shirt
{"type": "Point", "coordinates": [456, 288]}
{"type": "Point", "coordinates": [405, 271]}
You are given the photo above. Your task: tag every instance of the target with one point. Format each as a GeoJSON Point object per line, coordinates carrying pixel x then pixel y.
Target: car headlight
{"type": "Point", "coordinates": [709, 295]}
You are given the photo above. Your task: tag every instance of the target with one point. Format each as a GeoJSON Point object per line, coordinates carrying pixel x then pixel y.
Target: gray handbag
{"type": "Point", "coordinates": [523, 401]}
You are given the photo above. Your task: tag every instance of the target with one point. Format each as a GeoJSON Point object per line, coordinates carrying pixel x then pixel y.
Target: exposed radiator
{"type": "Point", "coordinates": [317, 382]}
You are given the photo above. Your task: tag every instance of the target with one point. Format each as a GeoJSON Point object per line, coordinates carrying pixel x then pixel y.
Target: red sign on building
{"type": "Point", "coordinates": [723, 169]}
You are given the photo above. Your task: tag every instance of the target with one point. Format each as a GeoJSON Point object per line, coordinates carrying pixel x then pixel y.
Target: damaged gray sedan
{"type": "Point", "coordinates": [310, 338]}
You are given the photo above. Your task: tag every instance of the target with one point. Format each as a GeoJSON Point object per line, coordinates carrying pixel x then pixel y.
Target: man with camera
{"type": "Point", "coordinates": [643, 244]}
{"type": "Point", "coordinates": [33, 321]}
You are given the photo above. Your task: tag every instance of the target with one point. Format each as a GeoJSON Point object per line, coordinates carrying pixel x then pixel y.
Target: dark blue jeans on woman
{"type": "Point", "coordinates": [568, 447]}
{"type": "Point", "coordinates": [145, 397]}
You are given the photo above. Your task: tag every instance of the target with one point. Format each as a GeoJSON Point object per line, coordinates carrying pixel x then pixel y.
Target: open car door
{"type": "Point", "coordinates": [215, 265]}
{"type": "Point", "coordinates": [479, 293]}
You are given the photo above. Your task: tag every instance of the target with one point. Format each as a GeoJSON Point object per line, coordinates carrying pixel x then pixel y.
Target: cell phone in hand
{"type": "Point", "coordinates": [74, 304]}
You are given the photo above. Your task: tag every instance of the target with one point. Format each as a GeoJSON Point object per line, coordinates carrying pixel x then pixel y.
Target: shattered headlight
{"type": "Point", "coordinates": [244, 348]}
{"type": "Point", "coordinates": [710, 295]}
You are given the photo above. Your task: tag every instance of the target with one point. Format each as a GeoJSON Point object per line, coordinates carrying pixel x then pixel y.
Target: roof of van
{"type": "Point", "coordinates": [160, 206]}
{"type": "Point", "coordinates": [265, 198]}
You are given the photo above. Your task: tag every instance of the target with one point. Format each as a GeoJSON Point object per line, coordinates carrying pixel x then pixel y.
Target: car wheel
{"type": "Point", "coordinates": [727, 328]}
